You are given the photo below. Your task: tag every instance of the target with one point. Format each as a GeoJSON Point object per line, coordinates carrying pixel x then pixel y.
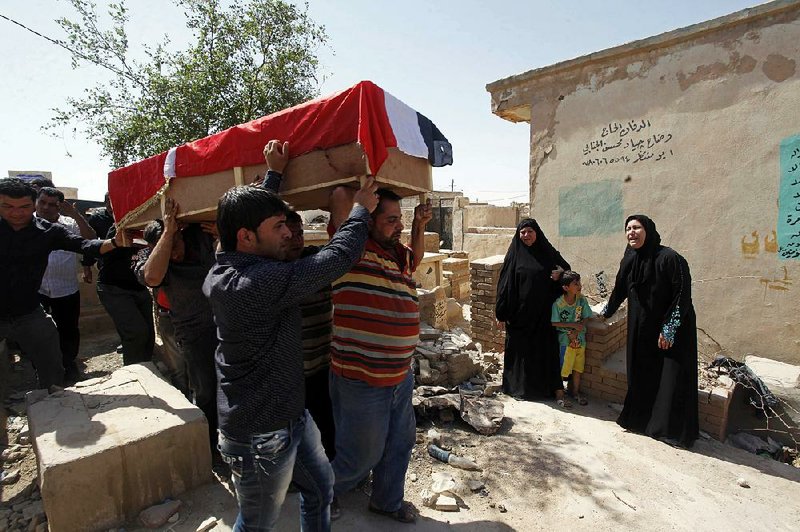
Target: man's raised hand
{"type": "Point", "coordinates": [170, 214]}
{"type": "Point", "coordinates": [276, 154]}
{"type": "Point", "coordinates": [366, 196]}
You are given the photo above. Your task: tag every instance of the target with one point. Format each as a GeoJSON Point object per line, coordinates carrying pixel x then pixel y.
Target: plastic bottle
{"type": "Point", "coordinates": [449, 458]}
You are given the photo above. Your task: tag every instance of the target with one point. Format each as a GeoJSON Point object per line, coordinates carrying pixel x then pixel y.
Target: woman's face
{"type": "Point", "coordinates": [527, 235]}
{"type": "Point", "coordinates": [635, 234]}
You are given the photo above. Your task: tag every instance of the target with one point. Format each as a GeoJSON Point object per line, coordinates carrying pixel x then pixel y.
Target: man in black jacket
{"type": "Point", "coordinates": [25, 244]}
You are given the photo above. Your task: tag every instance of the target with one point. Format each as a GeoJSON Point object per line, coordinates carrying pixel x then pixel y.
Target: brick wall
{"type": "Point", "coordinates": [601, 380]}
{"type": "Point", "coordinates": [484, 274]}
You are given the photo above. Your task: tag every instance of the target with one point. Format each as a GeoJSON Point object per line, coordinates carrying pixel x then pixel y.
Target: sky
{"type": "Point", "coordinates": [436, 56]}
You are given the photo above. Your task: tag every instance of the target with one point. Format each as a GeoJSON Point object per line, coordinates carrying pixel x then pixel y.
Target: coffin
{"type": "Point", "coordinates": [334, 140]}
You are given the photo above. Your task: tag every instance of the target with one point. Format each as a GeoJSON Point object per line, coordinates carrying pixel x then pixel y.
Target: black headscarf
{"type": "Point", "coordinates": [541, 255]}
{"type": "Point", "coordinates": [638, 265]}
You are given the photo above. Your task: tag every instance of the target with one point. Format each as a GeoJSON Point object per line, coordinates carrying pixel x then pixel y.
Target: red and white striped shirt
{"type": "Point", "coordinates": [376, 317]}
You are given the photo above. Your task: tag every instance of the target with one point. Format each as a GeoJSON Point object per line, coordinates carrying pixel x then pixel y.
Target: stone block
{"type": "Point", "coordinates": [433, 307]}
{"type": "Point", "coordinates": [110, 447]}
{"type": "Point", "coordinates": [456, 265]}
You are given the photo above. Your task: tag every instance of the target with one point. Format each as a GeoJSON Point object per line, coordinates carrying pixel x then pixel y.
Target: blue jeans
{"type": "Point", "coordinates": [375, 430]}
{"type": "Point", "coordinates": [263, 468]}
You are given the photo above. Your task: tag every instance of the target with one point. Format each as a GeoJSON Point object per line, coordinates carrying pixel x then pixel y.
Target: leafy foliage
{"type": "Point", "coordinates": [248, 59]}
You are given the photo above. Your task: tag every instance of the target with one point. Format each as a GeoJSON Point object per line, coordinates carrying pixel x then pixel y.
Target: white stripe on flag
{"type": "Point", "coordinates": [405, 127]}
{"type": "Point", "coordinates": [169, 163]}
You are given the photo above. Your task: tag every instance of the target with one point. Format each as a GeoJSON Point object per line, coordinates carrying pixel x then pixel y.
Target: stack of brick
{"type": "Point", "coordinates": [713, 406]}
{"type": "Point", "coordinates": [602, 340]}
{"type": "Point", "coordinates": [484, 274]}
{"type": "Point", "coordinates": [456, 274]}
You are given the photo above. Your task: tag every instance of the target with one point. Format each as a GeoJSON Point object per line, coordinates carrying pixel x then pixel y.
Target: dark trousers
{"type": "Point", "coordinates": [173, 358]}
{"type": "Point", "coordinates": [198, 348]}
{"type": "Point", "coordinates": [132, 312]}
{"type": "Point", "coordinates": [36, 334]}
{"type": "Point", "coordinates": [66, 312]}
{"type": "Point", "coordinates": [318, 404]}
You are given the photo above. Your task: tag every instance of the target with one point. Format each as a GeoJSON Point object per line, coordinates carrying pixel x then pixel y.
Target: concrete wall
{"type": "Point", "coordinates": [482, 215]}
{"type": "Point", "coordinates": [686, 127]}
{"type": "Point", "coordinates": [487, 241]}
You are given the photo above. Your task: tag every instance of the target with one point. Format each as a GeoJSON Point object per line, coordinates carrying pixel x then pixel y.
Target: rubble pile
{"type": "Point", "coordinates": [24, 511]}
{"type": "Point", "coordinates": [455, 377]}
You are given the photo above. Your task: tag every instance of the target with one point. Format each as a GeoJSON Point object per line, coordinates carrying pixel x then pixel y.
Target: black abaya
{"type": "Point", "coordinates": [662, 384]}
{"type": "Point", "coordinates": [525, 295]}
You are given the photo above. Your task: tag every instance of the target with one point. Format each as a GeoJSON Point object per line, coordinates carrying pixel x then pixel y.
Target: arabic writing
{"type": "Point", "coordinates": [777, 283]}
{"type": "Point", "coordinates": [789, 199]}
{"type": "Point", "coordinates": [630, 142]}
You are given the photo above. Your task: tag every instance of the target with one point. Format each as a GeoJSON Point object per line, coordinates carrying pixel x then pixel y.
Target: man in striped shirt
{"type": "Point", "coordinates": [375, 332]}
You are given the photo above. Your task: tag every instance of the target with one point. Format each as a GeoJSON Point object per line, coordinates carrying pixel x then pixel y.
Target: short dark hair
{"type": "Point", "coordinates": [16, 188]}
{"type": "Point", "coordinates": [293, 217]}
{"type": "Point", "coordinates": [153, 231]}
{"type": "Point", "coordinates": [42, 182]}
{"type": "Point", "coordinates": [568, 277]}
{"type": "Point", "coordinates": [384, 194]}
{"type": "Point", "coordinates": [245, 207]}
{"type": "Point", "coordinates": [52, 192]}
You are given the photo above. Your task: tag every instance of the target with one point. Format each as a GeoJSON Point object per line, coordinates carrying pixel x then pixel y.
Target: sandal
{"type": "Point", "coordinates": [564, 403]}
{"type": "Point", "coordinates": [581, 400]}
{"type": "Point", "coordinates": [405, 514]}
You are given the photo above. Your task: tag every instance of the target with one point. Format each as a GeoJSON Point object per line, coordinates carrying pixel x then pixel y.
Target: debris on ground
{"type": "Point", "coordinates": [208, 524]}
{"type": "Point", "coordinates": [452, 459]}
{"type": "Point", "coordinates": [158, 515]}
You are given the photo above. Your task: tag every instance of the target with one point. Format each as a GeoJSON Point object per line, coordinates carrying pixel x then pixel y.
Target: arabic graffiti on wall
{"type": "Point", "coordinates": [789, 200]}
{"type": "Point", "coordinates": [631, 142]}
{"type": "Point", "coordinates": [780, 283]}
{"type": "Point", "coordinates": [590, 208]}
{"type": "Point", "coordinates": [752, 244]}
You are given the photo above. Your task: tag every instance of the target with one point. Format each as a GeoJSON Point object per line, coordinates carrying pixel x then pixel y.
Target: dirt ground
{"type": "Point", "coordinates": [546, 469]}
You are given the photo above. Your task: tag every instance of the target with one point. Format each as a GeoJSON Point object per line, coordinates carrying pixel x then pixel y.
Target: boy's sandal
{"type": "Point", "coordinates": [581, 400]}
{"type": "Point", "coordinates": [405, 514]}
{"type": "Point", "coordinates": [564, 403]}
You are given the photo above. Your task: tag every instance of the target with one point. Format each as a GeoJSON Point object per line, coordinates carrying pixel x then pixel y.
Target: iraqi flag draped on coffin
{"type": "Point", "coordinates": [333, 140]}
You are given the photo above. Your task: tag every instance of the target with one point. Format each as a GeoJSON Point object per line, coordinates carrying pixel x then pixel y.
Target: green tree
{"type": "Point", "coordinates": [247, 60]}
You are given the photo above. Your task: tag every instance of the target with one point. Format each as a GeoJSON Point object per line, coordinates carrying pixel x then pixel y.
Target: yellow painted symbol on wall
{"type": "Point", "coordinates": [777, 284]}
{"type": "Point", "coordinates": [771, 243]}
{"type": "Point", "coordinates": [750, 248]}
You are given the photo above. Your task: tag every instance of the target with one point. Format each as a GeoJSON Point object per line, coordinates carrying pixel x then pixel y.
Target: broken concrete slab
{"type": "Point", "coordinates": [428, 391]}
{"type": "Point", "coordinates": [440, 402]}
{"type": "Point", "coordinates": [426, 332]}
{"type": "Point", "coordinates": [484, 415]}
{"type": "Point", "coordinates": [114, 446]}
{"type": "Point", "coordinates": [460, 368]}
{"type": "Point", "coordinates": [774, 373]}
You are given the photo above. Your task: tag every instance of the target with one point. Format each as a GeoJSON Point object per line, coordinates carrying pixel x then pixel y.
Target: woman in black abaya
{"type": "Point", "coordinates": [527, 288]}
{"type": "Point", "coordinates": [662, 337]}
